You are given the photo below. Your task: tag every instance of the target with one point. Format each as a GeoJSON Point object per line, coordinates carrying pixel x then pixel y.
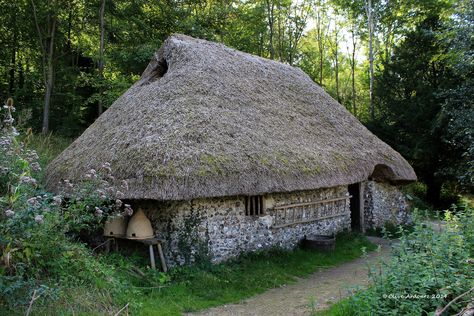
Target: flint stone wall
{"type": "Point", "coordinates": [218, 228]}
{"type": "Point", "coordinates": [384, 203]}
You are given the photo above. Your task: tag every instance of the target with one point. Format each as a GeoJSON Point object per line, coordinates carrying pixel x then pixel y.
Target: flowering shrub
{"type": "Point", "coordinates": [36, 226]}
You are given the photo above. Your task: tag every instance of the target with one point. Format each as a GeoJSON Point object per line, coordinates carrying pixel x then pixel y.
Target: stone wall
{"type": "Point", "coordinates": [384, 203]}
{"type": "Point", "coordinates": [218, 228]}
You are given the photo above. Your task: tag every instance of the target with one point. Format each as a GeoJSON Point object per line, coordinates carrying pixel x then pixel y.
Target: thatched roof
{"type": "Point", "coordinates": [206, 120]}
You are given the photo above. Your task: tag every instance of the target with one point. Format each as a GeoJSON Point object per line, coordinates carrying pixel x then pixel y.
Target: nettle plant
{"type": "Point", "coordinates": [35, 224]}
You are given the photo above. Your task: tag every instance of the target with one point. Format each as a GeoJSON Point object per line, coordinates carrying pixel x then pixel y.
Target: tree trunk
{"type": "Point", "coordinates": [271, 20]}
{"type": "Point", "coordinates": [370, 26]}
{"type": "Point", "coordinates": [321, 52]}
{"type": "Point", "coordinates": [49, 76]}
{"type": "Point", "coordinates": [11, 81]}
{"type": "Point", "coordinates": [354, 44]}
{"type": "Point", "coordinates": [336, 61]}
{"type": "Point", "coordinates": [280, 33]}
{"type": "Point", "coordinates": [101, 55]}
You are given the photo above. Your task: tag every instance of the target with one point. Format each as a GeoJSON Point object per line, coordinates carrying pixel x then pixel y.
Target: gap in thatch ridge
{"type": "Point", "coordinates": [160, 69]}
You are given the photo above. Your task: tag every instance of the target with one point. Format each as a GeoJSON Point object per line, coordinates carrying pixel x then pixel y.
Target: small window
{"type": "Point", "coordinates": [254, 205]}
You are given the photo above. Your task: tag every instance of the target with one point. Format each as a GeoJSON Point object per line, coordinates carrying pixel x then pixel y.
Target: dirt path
{"type": "Point", "coordinates": [320, 289]}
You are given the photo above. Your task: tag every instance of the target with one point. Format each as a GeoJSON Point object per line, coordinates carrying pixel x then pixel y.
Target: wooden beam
{"type": "Point", "coordinates": [312, 203]}
{"type": "Point", "coordinates": [308, 220]}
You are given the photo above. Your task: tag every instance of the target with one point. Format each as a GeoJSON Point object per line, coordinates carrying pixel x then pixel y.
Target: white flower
{"type": "Point", "coordinates": [9, 213]}
{"type": "Point", "coordinates": [68, 184]}
{"type": "Point", "coordinates": [57, 200]}
{"type": "Point", "coordinates": [118, 203]}
{"type": "Point", "coordinates": [39, 219]}
{"type": "Point", "coordinates": [106, 166]}
{"type": "Point", "coordinates": [102, 194]}
{"type": "Point", "coordinates": [98, 212]}
{"type": "Point", "coordinates": [91, 174]}
{"type": "Point", "coordinates": [28, 180]}
{"type": "Point", "coordinates": [110, 190]}
{"type": "Point", "coordinates": [128, 210]}
{"type": "Point", "coordinates": [33, 201]}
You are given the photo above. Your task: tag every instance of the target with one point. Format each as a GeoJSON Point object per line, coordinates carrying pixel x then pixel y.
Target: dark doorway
{"type": "Point", "coordinates": [354, 191]}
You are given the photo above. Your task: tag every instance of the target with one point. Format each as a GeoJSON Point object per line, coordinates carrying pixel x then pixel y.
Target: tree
{"type": "Point", "coordinates": [457, 113]}
{"type": "Point", "coordinates": [369, 9]}
{"type": "Point", "coordinates": [322, 26]}
{"type": "Point", "coordinates": [353, 31]}
{"type": "Point", "coordinates": [46, 38]}
{"type": "Point", "coordinates": [101, 51]}
{"type": "Point", "coordinates": [410, 102]}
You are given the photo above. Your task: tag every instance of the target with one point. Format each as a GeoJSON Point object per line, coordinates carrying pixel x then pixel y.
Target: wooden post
{"type": "Point", "coordinates": [162, 258]}
{"type": "Point", "coordinates": [361, 207]}
{"type": "Point", "coordinates": [152, 256]}
{"type": "Point", "coordinates": [107, 245]}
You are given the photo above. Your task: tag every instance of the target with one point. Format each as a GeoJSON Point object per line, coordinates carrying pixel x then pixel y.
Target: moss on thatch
{"type": "Point", "coordinates": [205, 120]}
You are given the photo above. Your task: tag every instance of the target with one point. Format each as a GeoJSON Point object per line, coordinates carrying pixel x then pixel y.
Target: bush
{"type": "Point", "coordinates": [428, 269]}
{"type": "Point", "coordinates": [40, 255]}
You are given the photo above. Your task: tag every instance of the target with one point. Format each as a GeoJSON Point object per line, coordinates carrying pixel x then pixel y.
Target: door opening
{"type": "Point", "coordinates": [355, 207]}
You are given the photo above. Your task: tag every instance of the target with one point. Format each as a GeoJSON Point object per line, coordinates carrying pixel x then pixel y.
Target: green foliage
{"type": "Point", "coordinates": [413, 116]}
{"type": "Point", "coordinates": [36, 227]}
{"type": "Point", "coordinates": [389, 231]}
{"type": "Point", "coordinates": [457, 113]}
{"type": "Point", "coordinates": [204, 286]}
{"type": "Point", "coordinates": [428, 269]}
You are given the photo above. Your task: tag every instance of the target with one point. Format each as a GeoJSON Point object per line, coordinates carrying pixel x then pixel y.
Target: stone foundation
{"type": "Point", "coordinates": [383, 204]}
{"type": "Point", "coordinates": [218, 228]}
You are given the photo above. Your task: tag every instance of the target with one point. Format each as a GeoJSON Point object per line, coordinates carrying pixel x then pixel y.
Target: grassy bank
{"type": "Point", "coordinates": [198, 288]}
{"type": "Point", "coordinates": [116, 281]}
{"type": "Point", "coordinates": [429, 270]}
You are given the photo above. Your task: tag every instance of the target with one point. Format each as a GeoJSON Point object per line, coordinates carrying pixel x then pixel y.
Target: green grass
{"type": "Point", "coordinates": [341, 308]}
{"type": "Point", "coordinates": [47, 146]}
{"type": "Point", "coordinates": [197, 288]}
{"type": "Point", "coordinates": [184, 289]}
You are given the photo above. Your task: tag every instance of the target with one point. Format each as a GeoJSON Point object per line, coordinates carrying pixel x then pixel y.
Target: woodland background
{"type": "Point", "coordinates": [405, 68]}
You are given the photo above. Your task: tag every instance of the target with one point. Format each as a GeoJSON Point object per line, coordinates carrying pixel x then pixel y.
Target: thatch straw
{"type": "Point", "coordinates": [205, 120]}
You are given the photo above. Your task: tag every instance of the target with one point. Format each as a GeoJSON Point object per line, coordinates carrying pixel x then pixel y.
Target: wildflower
{"type": "Point", "coordinates": [35, 167]}
{"type": "Point", "coordinates": [91, 174]}
{"type": "Point", "coordinates": [9, 104]}
{"type": "Point", "coordinates": [31, 155]}
{"type": "Point", "coordinates": [128, 210]}
{"type": "Point", "coordinates": [9, 213]}
{"type": "Point", "coordinates": [118, 203]}
{"type": "Point", "coordinates": [119, 194]}
{"type": "Point", "coordinates": [28, 180]}
{"type": "Point", "coordinates": [106, 166]}
{"type": "Point", "coordinates": [102, 194]}
{"type": "Point", "coordinates": [33, 201]}
{"type": "Point", "coordinates": [39, 219]}
{"type": "Point", "coordinates": [98, 212]}
{"type": "Point", "coordinates": [14, 132]}
{"type": "Point", "coordinates": [57, 200]}
{"type": "Point", "coordinates": [68, 184]}
{"type": "Point", "coordinates": [110, 190]}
